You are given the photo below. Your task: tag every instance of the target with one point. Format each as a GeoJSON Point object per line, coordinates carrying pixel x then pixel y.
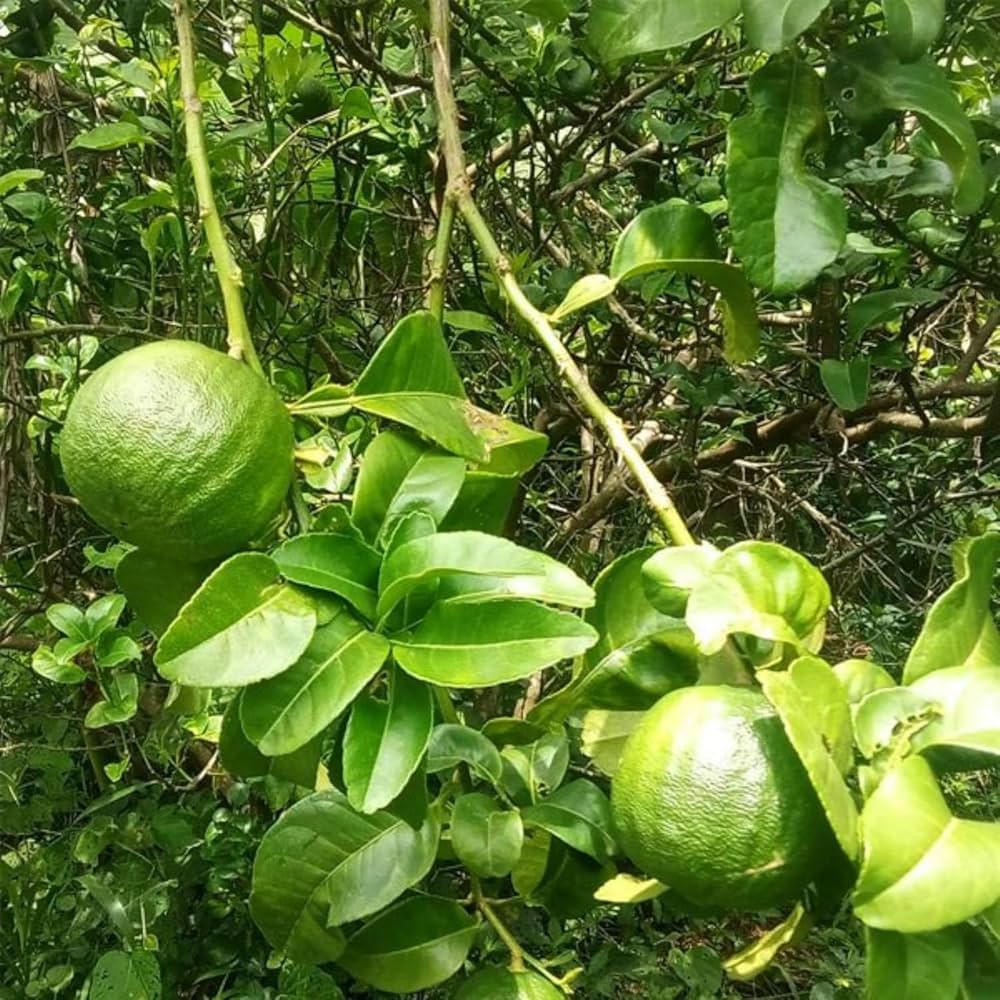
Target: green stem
{"type": "Point", "coordinates": [446, 705]}
{"type": "Point", "coordinates": [570, 372]}
{"type": "Point", "coordinates": [439, 259]}
{"type": "Point", "coordinates": [226, 268]}
{"type": "Point", "coordinates": [517, 955]}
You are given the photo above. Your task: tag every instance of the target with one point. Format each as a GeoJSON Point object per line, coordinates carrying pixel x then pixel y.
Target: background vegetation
{"type": "Point", "coordinates": [322, 139]}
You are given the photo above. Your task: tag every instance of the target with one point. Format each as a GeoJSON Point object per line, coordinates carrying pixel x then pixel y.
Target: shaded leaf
{"type": "Point", "coordinates": [846, 382]}
{"type": "Point", "coordinates": [579, 814]}
{"type": "Point", "coordinates": [486, 838]}
{"type": "Point", "coordinates": [771, 24]}
{"type": "Point", "coordinates": [451, 745]}
{"type": "Point", "coordinates": [415, 945]}
{"type": "Point", "coordinates": [913, 966]}
{"type": "Point", "coordinates": [121, 975]}
{"type": "Point", "coordinates": [877, 308]}
{"type": "Point", "coordinates": [788, 224]}
{"type": "Point", "coordinates": [107, 137]}
{"type": "Point", "coordinates": [156, 588]}
{"type": "Point", "coordinates": [913, 25]}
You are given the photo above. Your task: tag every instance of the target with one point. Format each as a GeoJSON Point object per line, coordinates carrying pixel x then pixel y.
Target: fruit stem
{"type": "Point", "coordinates": [460, 191]}
{"type": "Point", "coordinates": [228, 271]}
{"type": "Point", "coordinates": [439, 259]}
{"type": "Point", "coordinates": [516, 951]}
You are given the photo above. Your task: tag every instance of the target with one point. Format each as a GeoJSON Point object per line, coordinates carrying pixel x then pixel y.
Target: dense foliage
{"type": "Point", "coordinates": [512, 267]}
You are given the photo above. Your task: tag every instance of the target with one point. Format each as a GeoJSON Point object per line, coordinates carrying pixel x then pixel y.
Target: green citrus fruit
{"type": "Point", "coordinates": [179, 449]}
{"type": "Point", "coordinates": [502, 984]}
{"type": "Point", "coordinates": [711, 799]}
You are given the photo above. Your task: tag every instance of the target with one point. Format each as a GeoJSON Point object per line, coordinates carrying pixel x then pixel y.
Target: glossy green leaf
{"type": "Point", "coordinates": [788, 225]}
{"type": "Point", "coordinates": [120, 703]}
{"type": "Point", "coordinates": [867, 80]}
{"type": "Point", "coordinates": [913, 25]}
{"type": "Point", "coordinates": [156, 588]}
{"type": "Point", "coordinates": [619, 29]}
{"type": "Point", "coordinates": [335, 563]}
{"type": "Point", "coordinates": [385, 742]}
{"type": "Point", "coordinates": [478, 644]}
{"type": "Point", "coordinates": [772, 24]}
{"type": "Point", "coordinates": [861, 677]}
{"type": "Point", "coordinates": [451, 745]}
{"type": "Point", "coordinates": [413, 946]}
{"type": "Point", "coordinates": [414, 357]}
{"type": "Point", "coordinates": [889, 715]}
{"type": "Point", "coordinates": [322, 864]}
{"type": "Point", "coordinates": [398, 474]}
{"type": "Point", "coordinates": [963, 733]}
{"type": "Point", "coordinates": [578, 814]}
{"type": "Point", "coordinates": [604, 736]}
{"type": "Point", "coordinates": [18, 178]}
{"type": "Point", "coordinates": [483, 503]}
{"type": "Point", "coordinates": [283, 713]}
{"type": "Point", "coordinates": [111, 136]}
{"type": "Point", "coordinates": [922, 868]}
{"type": "Point", "coordinates": [533, 770]}
{"type": "Point", "coordinates": [121, 975]}
{"type": "Point", "coordinates": [514, 449]}
{"type": "Point", "coordinates": [241, 626]}
{"type": "Point", "coordinates": [241, 758]}
{"type": "Point", "coordinates": [484, 564]}
{"type": "Point", "coordinates": [486, 838]}
{"type": "Point", "coordinates": [816, 718]}
{"type": "Point", "coordinates": [913, 966]}
{"type": "Point", "coordinates": [751, 961]}
{"type": "Point", "coordinates": [449, 421]}
{"type": "Point", "coordinates": [676, 236]}
{"type": "Point", "coordinates": [589, 289]}
{"type": "Point", "coordinates": [669, 576]}
{"type": "Point", "coordinates": [959, 629]}
{"type": "Point", "coordinates": [846, 382]}
{"type": "Point", "coordinates": [878, 308]}
{"type": "Point", "coordinates": [760, 589]}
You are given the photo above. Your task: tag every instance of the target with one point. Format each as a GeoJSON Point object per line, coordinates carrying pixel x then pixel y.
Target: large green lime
{"type": "Point", "coordinates": [711, 799]}
{"type": "Point", "coordinates": [502, 984]}
{"type": "Point", "coordinates": [179, 449]}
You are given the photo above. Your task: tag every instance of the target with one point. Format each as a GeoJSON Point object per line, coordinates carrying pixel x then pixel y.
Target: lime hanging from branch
{"type": "Point", "coordinates": [711, 799]}
{"type": "Point", "coordinates": [179, 449]}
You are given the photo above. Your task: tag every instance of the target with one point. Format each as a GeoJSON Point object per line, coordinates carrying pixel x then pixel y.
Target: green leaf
{"type": "Point", "coordinates": [619, 29]}
{"type": "Point", "coordinates": [760, 589]}
{"type": "Point", "coordinates": [338, 564]}
{"type": "Point", "coordinates": [922, 869]}
{"type": "Point", "coordinates": [771, 24]}
{"type": "Point", "coordinates": [532, 770]}
{"type": "Point", "coordinates": [749, 963]}
{"type": "Point", "coordinates": [788, 225]}
{"type": "Point", "coordinates": [285, 712]}
{"type": "Point", "coordinates": [413, 946]}
{"type": "Point", "coordinates": [18, 178]}
{"type": "Point", "coordinates": [846, 382]}
{"type": "Point", "coordinates": [240, 757]}
{"type": "Point", "coordinates": [604, 736]}
{"type": "Point", "coordinates": [867, 80]}
{"type": "Point", "coordinates": [964, 731]}
{"type": "Point", "coordinates": [483, 503]}
{"type": "Point", "coordinates": [385, 742]}
{"type": "Point", "coordinates": [889, 715]}
{"type": "Point", "coordinates": [58, 669]}
{"type": "Point", "coordinates": [322, 864]}
{"type": "Point", "coordinates": [107, 137]}
{"type": "Point", "coordinates": [878, 308]}
{"type": "Point", "coordinates": [913, 966]}
{"type": "Point", "coordinates": [816, 718]}
{"type": "Point", "coordinates": [120, 703]}
{"type": "Point", "coordinates": [676, 236]}
{"type": "Point", "coordinates": [413, 358]}
{"type": "Point", "coordinates": [959, 629]}
{"type": "Point", "coordinates": [447, 420]}
{"type": "Point", "coordinates": [487, 839]}
{"type": "Point", "coordinates": [913, 25]}
{"type": "Point", "coordinates": [483, 565]}
{"type": "Point", "coordinates": [156, 588]}
{"type": "Point", "coordinates": [239, 627]}
{"type": "Point", "coordinates": [399, 475]}
{"type": "Point", "coordinates": [120, 975]}
{"type": "Point", "coordinates": [578, 814]}
{"type": "Point", "coordinates": [589, 289]}
{"type": "Point", "coordinates": [465, 319]}
{"type": "Point", "coordinates": [482, 643]}
{"type": "Point", "coordinates": [861, 677]}
{"type": "Point", "coordinates": [452, 744]}
{"type": "Point", "coordinates": [669, 576]}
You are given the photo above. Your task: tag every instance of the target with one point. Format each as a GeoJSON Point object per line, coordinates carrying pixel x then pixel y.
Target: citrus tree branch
{"type": "Point", "coordinates": [460, 190]}
{"type": "Point", "coordinates": [226, 268]}
{"type": "Point", "coordinates": [439, 258]}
